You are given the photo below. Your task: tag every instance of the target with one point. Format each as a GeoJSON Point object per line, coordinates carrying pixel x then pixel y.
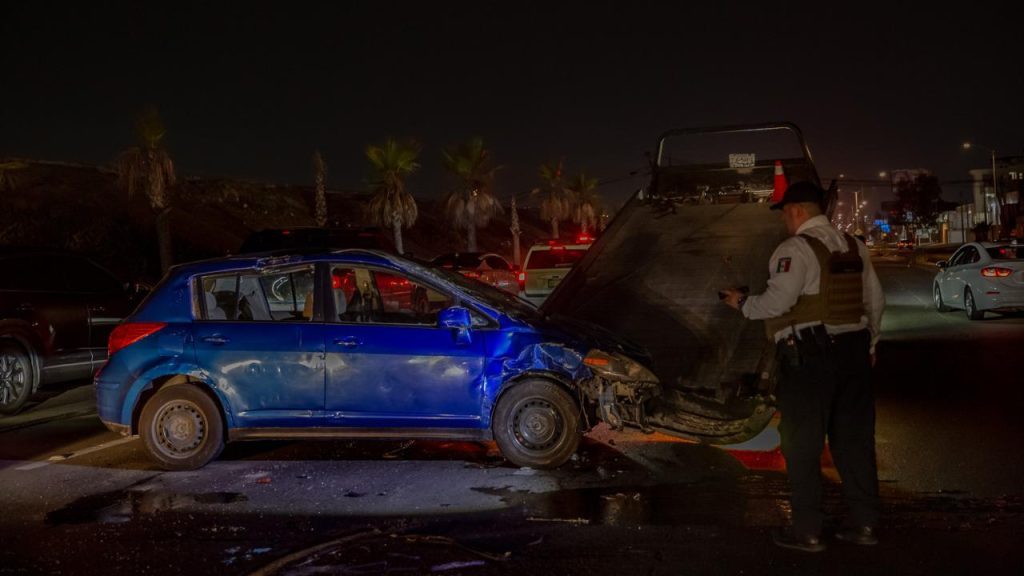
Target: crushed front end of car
{"type": "Point", "coordinates": [702, 224]}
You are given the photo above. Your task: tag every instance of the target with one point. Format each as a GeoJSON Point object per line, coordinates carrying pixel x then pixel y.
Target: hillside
{"type": "Point", "coordinates": [81, 208]}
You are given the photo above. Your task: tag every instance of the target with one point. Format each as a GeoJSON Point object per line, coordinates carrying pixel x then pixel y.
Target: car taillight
{"type": "Point", "coordinates": [130, 333]}
{"type": "Point", "coordinates": [996, 272]}
{"type": "Point", "coordinates": [522, 281]}
{"type": "Point", "coordinates": [470, 273]}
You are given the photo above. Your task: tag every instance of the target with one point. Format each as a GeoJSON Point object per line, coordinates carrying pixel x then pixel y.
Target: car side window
{"type": "Point", "coordinates": [363, 295]}
{"type": "Point", "coordinates": [275, 296]}
{"type": "Point", "coordinates": [81, 275]}
{"type": "Point", "coordinates": [958, 257]}
{"type": "Point", "coordinates": [37, 273]}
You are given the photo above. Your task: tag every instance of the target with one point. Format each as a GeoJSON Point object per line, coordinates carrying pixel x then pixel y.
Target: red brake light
{"type": "Point", "coordinates": [470, 273]}
{"type": "Point", "coordinates": [286, 232]}
{"type": "Point", "coordinates": [996, 272]}
{"type": "Point", "coordinates": [584, 239]}
{"type": "Point", "coordinates": [522, 281]}
{"type": "Point", "coordinates": [335, 282]}
{"type": "Point", "coordinates": [130, 333]}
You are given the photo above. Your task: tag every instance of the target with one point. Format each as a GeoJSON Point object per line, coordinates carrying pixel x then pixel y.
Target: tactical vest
{"type": "Point", "coordinates": [840, 297]}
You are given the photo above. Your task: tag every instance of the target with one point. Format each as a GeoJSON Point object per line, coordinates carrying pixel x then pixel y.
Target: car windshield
{"type": "Point", "coordinates": [489, 295]}
{"type": "Point", "coordinates": [1006, 252]}
{"type": "Point", "coordinates": [555, 258]}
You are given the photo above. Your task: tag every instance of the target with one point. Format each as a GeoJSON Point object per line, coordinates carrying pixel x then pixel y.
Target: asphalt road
{"type": "Point", "coordinates": [75, 498]}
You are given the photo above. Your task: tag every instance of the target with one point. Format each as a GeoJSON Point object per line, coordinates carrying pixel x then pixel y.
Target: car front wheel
{"type": "Point", "coordinates": [16, 378]}
{"type": "Point", "coordinates": [937, 297]}
{"type": "Point", "coordinates": [181, 428]}
{"type": "Point", "coordinates": [536, 424]}
{"type": "Point", "coordinates": [971, 307]}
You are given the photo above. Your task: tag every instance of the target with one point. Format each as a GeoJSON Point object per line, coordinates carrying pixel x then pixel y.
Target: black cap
{"type": "Point", "coordinates": [800, 192]}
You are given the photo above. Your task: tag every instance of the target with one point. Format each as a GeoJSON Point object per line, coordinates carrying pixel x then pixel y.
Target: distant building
{"type": "Point", "coordinates": [998, 207]}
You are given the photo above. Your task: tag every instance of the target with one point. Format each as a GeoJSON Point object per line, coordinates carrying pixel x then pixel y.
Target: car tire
{"type": "Point", "coordinates": [17, 379]}
{"type": "Point", "coordinates": [937, 297]}
{"type": "Point", "coordinates": [971, 307]}
{"type": "Point", "coordinates": [536, 424]}
{"type": "Point", "coordinates": [181, 428]}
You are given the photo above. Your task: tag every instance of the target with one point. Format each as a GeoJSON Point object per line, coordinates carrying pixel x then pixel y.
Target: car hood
{"type": "Point", "coordinates": [653, 278]}
{"type": "Point", "coordinates": [589, 335]}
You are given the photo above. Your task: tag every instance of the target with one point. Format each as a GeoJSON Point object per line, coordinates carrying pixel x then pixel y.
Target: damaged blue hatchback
{"type": "Point", "coordinates": [358, 344]}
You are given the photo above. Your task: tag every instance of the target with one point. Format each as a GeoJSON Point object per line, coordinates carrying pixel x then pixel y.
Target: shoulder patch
{"type": "Point", "coordinates": [783, 265]}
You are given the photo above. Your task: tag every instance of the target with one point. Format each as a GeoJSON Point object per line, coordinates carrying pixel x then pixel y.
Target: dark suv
{"type": "Point", "coordinates": [56, 312]}
{"type": "Point", "coordinates": [310, 238]}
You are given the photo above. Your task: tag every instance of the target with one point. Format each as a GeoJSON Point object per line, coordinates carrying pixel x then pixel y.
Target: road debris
{"type": "Point", "coordinates": [576, 521]}
{"type": "Point", "coordinates": [455, 565]}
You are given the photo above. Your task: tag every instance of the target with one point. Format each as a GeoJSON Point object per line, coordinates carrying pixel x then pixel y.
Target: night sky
{"type": "Point", "coordinates": [249, 92]}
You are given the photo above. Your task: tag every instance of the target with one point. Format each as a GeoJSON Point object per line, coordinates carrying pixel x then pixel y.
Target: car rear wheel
{"type": "Point", "coordinates": [181, 428]}
{"type": "Point", "coordinates": [536, 424]}
{"type": "Point", "coordinates": [971, 307]}
{"type": "Point", "coordinates": [16, 378]}
{"type": "Point", "coordinates": [937, 297]}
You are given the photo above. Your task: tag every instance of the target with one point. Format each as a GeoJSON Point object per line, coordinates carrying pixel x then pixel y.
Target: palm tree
{"type": "Point", "coordinates": [586, 202]}
{"type": "Point", "coordinates": [148, 166]}
{"type": "Point", "coordinates": [391, 206]}
{"type": "Point", "coordinates": [516, 230]}
{"type": "Point", "coordinates": [554, 199]}
{"type": "Point", "coordinates": [320, 180]}
{"type": "Point", "coordinates": [470, 204]}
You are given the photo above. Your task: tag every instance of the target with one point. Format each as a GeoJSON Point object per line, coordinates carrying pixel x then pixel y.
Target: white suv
{"type": "Point", "coordinates": [545, 266]}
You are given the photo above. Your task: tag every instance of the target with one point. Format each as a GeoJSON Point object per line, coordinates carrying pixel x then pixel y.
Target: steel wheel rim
{"type": "Point", "coordinates": [12, 379]}
{"type": "Point", "coordinates": [536, 425]}
{"type": "Point", "coordinates": [937, 297]}
{"type": "Point", "coordinates": [179, 429]}
{"type": "Point", "coordinates": [969, 301]}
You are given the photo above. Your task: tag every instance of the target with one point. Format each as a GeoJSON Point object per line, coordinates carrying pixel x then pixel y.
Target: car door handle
{"type": "Point", "coordinates": [349, 342]}
{"type": "Point", "coordinates": [216, 339]}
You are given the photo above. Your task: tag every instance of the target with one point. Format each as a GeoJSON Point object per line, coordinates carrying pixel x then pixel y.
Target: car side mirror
{"type": "Point", "coordinates": [459, 321]}
{"type": "Point", "coordinates": [942, 264]}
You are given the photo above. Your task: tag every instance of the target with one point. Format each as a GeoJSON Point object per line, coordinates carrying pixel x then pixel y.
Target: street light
{"type": "Point", "coordinates": [995, 180]}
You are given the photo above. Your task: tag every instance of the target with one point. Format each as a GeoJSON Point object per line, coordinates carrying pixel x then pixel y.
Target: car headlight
{"type": "Point", "coordinates": [617, 367]}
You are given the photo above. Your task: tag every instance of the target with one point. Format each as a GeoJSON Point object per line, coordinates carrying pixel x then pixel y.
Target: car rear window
{"type": "Point", "coordinates": [554, 258]}
{"type": "Point", "coordinates": [1007, 253]}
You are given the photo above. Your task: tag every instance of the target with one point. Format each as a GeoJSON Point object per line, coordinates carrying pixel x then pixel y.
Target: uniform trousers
{"type": "Point", "coordinates": [825, 392]}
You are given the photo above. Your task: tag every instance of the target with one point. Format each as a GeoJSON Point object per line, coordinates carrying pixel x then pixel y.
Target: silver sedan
{"type": "Point", "coordinates": [981, 276]}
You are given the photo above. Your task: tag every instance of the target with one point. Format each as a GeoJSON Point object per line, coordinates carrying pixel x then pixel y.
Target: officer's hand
{"type": "Point", "coordinates": [732, 296]}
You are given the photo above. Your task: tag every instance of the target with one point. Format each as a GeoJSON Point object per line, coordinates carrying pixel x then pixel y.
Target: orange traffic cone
{"type": "Point", "coordinates": [780, 182]}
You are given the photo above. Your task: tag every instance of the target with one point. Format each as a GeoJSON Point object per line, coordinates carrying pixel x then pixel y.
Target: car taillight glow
{"type": "Point", "coordinates": [130, 333]}
{"type": "Point", "coordinates": [996, 272]}
{"type": "Point", "coordinates": [522, 280]}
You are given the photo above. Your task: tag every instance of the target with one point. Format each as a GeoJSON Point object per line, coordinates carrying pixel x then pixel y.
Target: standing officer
{"type": "Point", "coordinates": [823, 308]}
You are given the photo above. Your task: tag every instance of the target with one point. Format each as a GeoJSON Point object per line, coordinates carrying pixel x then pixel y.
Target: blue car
{"type": "Point", "coordinates": [358, 344]}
